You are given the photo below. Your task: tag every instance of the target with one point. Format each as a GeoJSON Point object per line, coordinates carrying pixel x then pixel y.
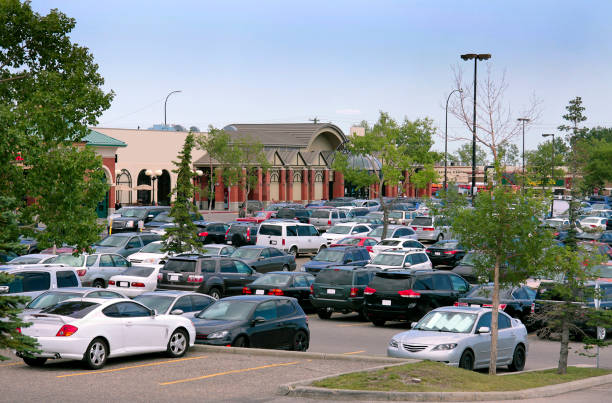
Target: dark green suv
{"type": "Point", "coordinates": [340, 289]}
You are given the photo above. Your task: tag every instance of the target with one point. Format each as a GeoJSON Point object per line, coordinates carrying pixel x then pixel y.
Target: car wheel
{"type": "Point", "coordinates": [300, 341]}
{"type": "Point", "coordinates": [95, 354]}
{"type": "Point", "coordinates": [322, 247]}
{"type": "Point", "coordinates": [362, 315]}
{"type": "Point", "coordinates": [440, 237]}
{"type": "Point", "coordinates": [293, 251]}
{"type": "Point", "coordinates": [34, 361]}
{"type": "Point", "coordinates": [518, 359]}
{"type": "Point", "coordinates": [215, 293]}
{"type": "Point", "coordinates": [99, 283]}
{"type": "Point", "coordinates": [178, 344]}
{"type": "Point", "coordinates": [467, 360]}
{"type": "Point", "coordinates": [324, 314]}
{"type": "Point", "coordinates": [378, 322]}
{"type": "Point", "coordinates": [240, 341]}
{"type": "Point", "coordinates": [285, 267]}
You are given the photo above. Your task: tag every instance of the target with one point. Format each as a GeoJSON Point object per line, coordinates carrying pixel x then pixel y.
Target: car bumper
{"type": "Point", "coordinates": [353, 304]}
{"type": "Point", "coordinates": [427, 236]}
{"type": "Point", "coordinates": [450, 357]}
{"type": "Point", "coordinates": [404, 313]}
{"type": "Point", "coordinates": [450, 260]}
{"type": "Point", "coordinates": [72, 348]}
{"type": "Point", "coordinates": [129, 292]}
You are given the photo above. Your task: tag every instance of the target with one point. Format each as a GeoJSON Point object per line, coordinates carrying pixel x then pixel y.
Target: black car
{"type": "Point", "coordinates": [299, 214]}
{"type": "Point", "coordinates": [259, 321]}
{"type": "Point", "coordinates": [242, 233]}
{"type": "Point", "coordinates": [518, 302]}
{"type": "Point", "coordinates": [211, 232]}
{"type": "Point", "coordinates": [288, 284]}
{"type": "Point", "coordinates": [131, 216]}
{"type": "Point", "coordinates": [408, 295]}
{"type": "Point", "coordinates": [265, 259]}
{"type": "Point", "coordinates": [445, 253]}
{"type": "Point", "coordinates": [338, 255]}
{"type": "Point", "coordinates": [340, 289]}
{"type": "Point", "coordinates": [164, 220]}
{"type": "Point", "coordinates": [465, 267]}
{"type": "Point", "coordinates": [212, 275]}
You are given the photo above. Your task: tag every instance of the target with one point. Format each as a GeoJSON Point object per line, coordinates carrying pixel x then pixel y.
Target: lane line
{"type": "Point", "coordinates": [10, 365]}
{"type": "Point", "coordinates": [151, 364]}
{"type": "Point", "coordinates": [354, 352]}
{"type": "Point", "coordinates": [234, 371]}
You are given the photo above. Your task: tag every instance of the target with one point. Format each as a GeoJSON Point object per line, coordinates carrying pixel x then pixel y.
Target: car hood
{"type": "Point", "coordinates": [315, 264]}
{"type": "Point", "coordinates": [144, 255]}
{"type": "Point", "coordinates": [207, 326]}
{"type": "Point", "coordinates": [429, 337]}
{"type": "Point", "coordinates": [381, 267]}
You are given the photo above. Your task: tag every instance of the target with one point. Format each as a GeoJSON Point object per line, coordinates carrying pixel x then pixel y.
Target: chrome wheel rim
{"type": "Point", "coordinates": [300, 342]}
{"type": "Point", "coordinates": [215, 294]}
{"type": "Point", "coordinates": [178, 343]}
{"type": "Point", "coordinates": [97, 353]}
{"type": "Point", "coordinates": [285, 268]}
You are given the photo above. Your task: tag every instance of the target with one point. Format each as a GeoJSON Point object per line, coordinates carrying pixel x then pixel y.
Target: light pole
{"type": "Point", "coordinates": [166, 102]}
{"type": "Point", "coordinates": [523, 120]}
{"type": "Point", "coordinates": [476, 57]}
{"type": "Point", "coordinates": [446, 136]}
{"type": "Point", "coordinates": [552, 170]}
{"type": "Point", "coordinates": [153, 175]}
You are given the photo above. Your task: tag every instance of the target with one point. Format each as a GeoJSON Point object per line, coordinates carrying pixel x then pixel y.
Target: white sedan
{"type": "Point", "coordinates": [135, 280]}
{"type": "Point", "coordinates": [461, 337]}
{"type": "Point", "coordinates": [594, 223]}
{"type": "Point", "coordinates": [342, 230]}
{"type": "Point", "coordinates": [396, 243]}
{"type": "Point", "coordinates": [92, 330]}
{"type": "Point", "coordinates": [150, 255]}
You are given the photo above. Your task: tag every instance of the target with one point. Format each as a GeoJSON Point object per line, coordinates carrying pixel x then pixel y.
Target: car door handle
{"type": "Point", "coordinates": [129, 323]}
{"type": "Point", "coordinates": [242, 278]}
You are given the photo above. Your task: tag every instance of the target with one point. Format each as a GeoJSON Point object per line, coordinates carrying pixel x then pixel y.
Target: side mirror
{"type": "Point", "coordinates": [4, 289]}
{"type": "Point", "coordinates": [257, 320]}
{"type": "Point", "coordinates": [260, 258]}
{"type": "Point", "coordinates": [347, 261]}
{"type": "Point", "coordinates": [129, 264]}
{"type": "Point", "coordinates": [407, 264]}
{"type": "Point", "coordinates": [177, 312]}
{"type": "Point", "coordinates": [413, 324]}
{"type": "Point", "coordinates": [153, 312]}
{"type": "Point", "coordinates": [483, 330]}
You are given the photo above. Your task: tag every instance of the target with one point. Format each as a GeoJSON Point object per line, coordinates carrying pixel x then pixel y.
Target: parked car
{"type": "Point", "coordinates": [446, 253]}
{"type": "Point", "coordinates": [368, 219]}
{"type": "Point", "coordinates": [214, 276]}
{"type": "Point", "coordinates": [252, 206]}
{"type": "Point", "coordinates": [134, 281]}
{"type": "Point", "coordinates": [33, 280]}
{"type": "Point", "coordinates": [214, 249]}
{"type": "Point", "coordinates": [291, 213]}
{"type": "Point", "coordinates": [594, 223]}
{"type": "Point", "coordinates": [364, 241]}
{"type": "Point", "coordinates": [243, 233]}
{"type": "Point", "coordinates": [393, 231]}
{"type": "Point", "coordinates": [341, 230]}
{"type": "Point", "coordinates": [265, 259]}
{"type": "Point", "coordinates": [603, 237]}
{"type": "Point", "coordinates": [211, 232]}
{"type": "Point", "coordinates": [413, 259]}
{"type": "Point", "coordinates": [163, 220]}
{"type": "Point", "coordinates": [126, 243]}
{"type": "Point", "coordinates": [465, 267]}
{"type": "Point", "coordinates": [390, 244]}
{"type": "Point", "coordinates": [408, 295]}
{"type": "Point", "coordinates": [170, 302]}
{"type": "Point", "coordinates": [461, 337]}
{"type": "Point", "coordinates": [294, 238]}
{"type": "Point", "coordinates": [93, 330]}
{"type": "Point", "coordinates": [33, 258]}
{"type": "Point", "coordinates": [288, 284]}
{"type": "Point", "coordinates": [430, 228]}
{"type": "Point", "coordinates": [54, 297]}
{"type": "Point", "coordinates": [518, 302]}
{"type": "Point", "coordinates": [402, 217]}
{"type": "Point", "coordinates": [557, 224]}
{"type": "Point", "coordinates": [340, 289]}
{"type": "Point", "coordinates": [127, 218]}
{"type": "Point", "coordinates": [150, 255]}
{"type": "Point", "coordinates": [96, 269]}
{"type": "Point", "coordinates": [371, 205]}
{"type": "Point", "coordinates": [254, 321]}
{"type": "Point", "coordinates": [258, 217]}
{"type": "Point", "coordinates": [325, 218]}
{"type": "Point", "coordinates": [341, 255]}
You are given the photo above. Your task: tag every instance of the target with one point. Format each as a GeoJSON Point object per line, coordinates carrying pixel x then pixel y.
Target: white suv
{"type": "Point", "coordinates": [401, 260]}
{"type": "Point", "coordinates": [291, 237]}
{"type": "Point", "coordinates": [32, 280]}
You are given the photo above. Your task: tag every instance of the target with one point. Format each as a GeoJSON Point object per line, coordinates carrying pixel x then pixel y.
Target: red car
{"type": "Point", "coordinates": [258, 217]}
{"type": "Point", "coordinates": [364, 241]}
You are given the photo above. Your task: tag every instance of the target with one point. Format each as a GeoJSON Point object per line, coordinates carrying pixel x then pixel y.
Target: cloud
{"type": "Point", "coordinates": [348, 111]}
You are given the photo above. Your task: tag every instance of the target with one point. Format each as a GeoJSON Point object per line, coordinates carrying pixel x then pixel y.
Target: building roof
{"type": "Point", "coordinates": [94, 138]}
{"type": "Point", "coordinates": [282, 134]}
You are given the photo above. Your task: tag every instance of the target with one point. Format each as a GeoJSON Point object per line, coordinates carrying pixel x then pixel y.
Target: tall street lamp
{"type": "Point", "coordinates": [476, 57]}
{"type": "Point", "coordinates": [446, 135]}
{"type": "Point", "coordinates": [552, 169]}
{"type": "Point", "coordinates": [153, 175]}
{"type": "Point", "coordinates": [166, 102]}
{"type": "Point", "coordinates": [523, 120]}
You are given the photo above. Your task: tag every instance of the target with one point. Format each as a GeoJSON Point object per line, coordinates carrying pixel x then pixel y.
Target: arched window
{"type": "Point", "coordinates": [124, 187]}
{"type": "Point", "coordinates": [274, 176]}
{"type": "Point", "coordinates": [144, 195]}
{"type": "Point", "coordinates": [297, 177]}
{"type": "Point", "coordinates": [318, 176]}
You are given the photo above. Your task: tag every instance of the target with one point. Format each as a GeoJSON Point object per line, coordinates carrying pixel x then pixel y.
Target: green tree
{"type": "Point", "coordinates": [502, 228]}
{"type": "Point", "coordinates": [596, 170]}
{"type": "Point", "coordinates": [182, 237]}
{"type": "Point", "coordinates": [424, 176]}
{"type": "Point", "coordinates": [463, 155]}
{"type": "Point", "coordinates": [538, 162]}
{"type": "Point", "coordinates": [508, 154]}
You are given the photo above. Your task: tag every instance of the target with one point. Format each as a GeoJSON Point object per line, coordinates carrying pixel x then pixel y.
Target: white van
{"type": "Point", "coordinates": [293, 238]}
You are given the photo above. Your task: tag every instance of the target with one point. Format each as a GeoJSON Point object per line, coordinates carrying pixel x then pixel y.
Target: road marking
{"type": "Point", "coordinates": [234, 371]}
{"type": "Point", "coordinates": [350, 324]}
{"type": "Point", "coordinates": [133, 366]}
{"type": "Point", "coordinates": [10, 365]}
{"type": "Point", "coordinates": [355, 352]}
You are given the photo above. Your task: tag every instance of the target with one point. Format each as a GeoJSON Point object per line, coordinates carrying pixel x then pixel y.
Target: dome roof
{"type": "Point", "coordinates": [366, 162]}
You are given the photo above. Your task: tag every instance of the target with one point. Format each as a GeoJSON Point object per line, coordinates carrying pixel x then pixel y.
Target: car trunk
{"type": "Point", "coordinates": [43, 325]}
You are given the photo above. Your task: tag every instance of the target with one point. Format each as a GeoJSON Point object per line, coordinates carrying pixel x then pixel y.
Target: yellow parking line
{"type": "Point", "coordinates": [133, 366]}
{"type": "Point", "coordinates": [355, 352]}
{"type": "Point", "coordinates": [235, 371]}
{"type": "Point", "coordinates": [10, 365]}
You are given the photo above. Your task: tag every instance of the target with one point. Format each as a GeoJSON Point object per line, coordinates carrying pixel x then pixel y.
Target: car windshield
{"type": "Point", "coordinates": [445, 245]}
{"type": "Point", "coordinates": [132, 212]}
{"type": "Point", "coordinates": [396, 214]}
{"type": "Point", "coordinates": [73, 309]}
{"type": "Point", "coordinates": [273, 279]}
{"type": "Point", "coordinates": [320, 213]}
{"type": "Point", "coordinates": [70, 260]}
{"type": "Point", "coordinates": [246, 253]}
{"type": "Point", "coordinates": [113, 241]}
{"type": "Point", "coordinates": [153, 247]}
{"type": "Point", "coordinates": [51, 298]}
{"type": "Point", "coordinates": [348, 241]}
{"type": "Point", "coordinates": [260, 214]}
{"type": "Point", "coordinates": [377, 232]}
{"type": "Point", "coordinates": [334, 277]}
{"type": "Point", "coordinates": [329, 255]}
{"type": "Point", "coordinates": [160, 303]}
{"type": "Point", "coordinates": [164, 217]}
{"type": "Point", "coordinates": [422, 221]}
{"type": "Point", "coordinates": [602, 271]}
{"type": "Point", "coordinates": [211, 251]}
{"type": "Point", "coordinates": [388, 259]}
{"type": "Point", "coordinates": [339, 229]}
{"type": "Point", "coordinates": [137, 271]}
{"type": "Point", "coordinates": [442, 321]}
{"type": "Point", "coordinates": [228, 310]}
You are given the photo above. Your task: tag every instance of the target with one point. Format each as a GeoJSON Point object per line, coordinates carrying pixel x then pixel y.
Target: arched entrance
{"type": "Point", "coordinates": [124, 187]}
{"type": "Point", "coordinates": [102, 209]}
{"type": "Point", "coordinates": [143, 196]}
{"type": "Point", "coordinates": [163, 189]}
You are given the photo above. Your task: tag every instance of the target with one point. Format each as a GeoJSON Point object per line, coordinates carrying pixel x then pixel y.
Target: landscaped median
{"type": "Point", "coordinates": [434, 381]}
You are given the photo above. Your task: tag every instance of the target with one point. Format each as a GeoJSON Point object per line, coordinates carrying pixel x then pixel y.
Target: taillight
{"type": "Point", "coordinates": [81, 272]}
{"type": "Point", "coordinates": [18, 329]}
{"type": "Point", "coordinates": [369, 291]}
{"type": "Point", "coordinates": [160, 276]}
{"type": "Point", "coordinates": [136, 284]}
{"type": "Point", "coordinates": [414, 228]}
{"type": "Point", "coordinates": [450, 252]}
{"type": "Point", "coordinates": [428, 228]}
{"type": "Point", "coordinates": [532, 307]}
{"type": "Point", "coordinates": [460, 304]}
{"type": "Point", "coordinates": [328, 222]}
{"type": "Point", "coordinates": [246, 290]}
{"type": "Point", "coordinates": [226, 232]}
{"type": "Point", "coordinates": [428, 250]}
{"type": "Point", "coordinates": [500, 308]}
{"type": "Point", "coordinates": [409, 294]}
{"type": "Point", "coordinates": [111, 282]}
{"type": "Point", "coordinates": [248, 234]}
{"type": "Point", "coordinates": [276, 291]}
{"type": "Point", "coordinates": [195, 279]}
{"type": "Point", "coordinates": [283, 242]}
{"type": "Point", "coordinates": [354, 292]}
{"type": "Point", "coordinates": [67, 330]}
{"type": "Point", "coordinates": [205, 233]}
{"type": "Point", "coordinates": [311, 289]}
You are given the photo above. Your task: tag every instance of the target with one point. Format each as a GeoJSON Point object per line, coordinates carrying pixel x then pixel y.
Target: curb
{"type": "Point", "coordinates": [299, 354]}
{"type": "Point", "coordinates": [301, 389]}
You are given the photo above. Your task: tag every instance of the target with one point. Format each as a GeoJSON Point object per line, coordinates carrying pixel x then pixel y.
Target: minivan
{"type": "Point", "coordinates": [293, 238]}
{"type": "Point", "coordinates": [33, 280]}
{"type": "Point", "coordinates": [323, 219]}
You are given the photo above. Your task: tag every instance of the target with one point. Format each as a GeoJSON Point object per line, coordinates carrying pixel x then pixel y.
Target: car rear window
{"type": "Point", "coordinates": [73, 309]}
{"type": "Point", "coordinates": [138, 271]}
{"type": "Point", "coordinates": [391, 281]}
{"type": "Point", "coordinates": [422, 221]}
{"type": "Point", "coordinates": [335, 277]}
{"type": "Point", "coordinates": [178, 265]}
{"type": "Point", "coordinates": [273, 230]}
{"type": "Point", "coordinates": [320, 214]}
{"type": "Point", "coordinates": [286, 213]}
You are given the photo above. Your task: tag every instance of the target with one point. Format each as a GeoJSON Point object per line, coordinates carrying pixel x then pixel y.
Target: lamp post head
{"type": "Point", "coordinates": [477, 56]}
{"type": "Point", "coordinates": [148, 172]}
{"type": "Point", "coordinates": [199, 172]}
{"type": "Point", "coordinates": [524, 120]}
{"type": "Point", "coordinates": [548, 134]}
{"type": "Point", "coordinates": [158, 172]}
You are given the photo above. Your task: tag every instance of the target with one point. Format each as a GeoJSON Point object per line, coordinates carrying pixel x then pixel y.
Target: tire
{"type": "Point", "coordinates": [440, 237]}
{"type": "Point", "coordinates": [518, 359]}
{"type": "Point", "coordinates": [240, 341]}
{"type": "Point", "coordinates": [215, 293]}
{"type": "Point", "coordinates": [324, 314]}
{"type": "Point", "coordinates": [378, 322]}
{"type": "Point", "coordinates": [322, 247]}
{"type": "Point", "coordinates": [362, 316]}
{"type": "Point", "coordinates": [99, 283]}
{"type": "Point", "coordinates": [34, 361]}
{"type": "Point", "coordinates": [467, 360]}
{"type": "Point", "coordinates": [285, 267]}
{"type": "Point", "coordinates": [178, 344]}
{"type": "Point", "coordinates": [293, 251]}
{"type": "Point", "coordinates": [300, 341]}
{"type": "Point", "coordinates": [96, 354]}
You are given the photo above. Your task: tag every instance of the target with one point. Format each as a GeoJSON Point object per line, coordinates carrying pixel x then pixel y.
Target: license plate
{"type": "Point", "coordinates": [272, 242]}
{"type": "Point", "coordinates": [124, 284]}
{"type": "Point", "coordinates": [259, 292]}
{"type": "Point", "coordinates": [173, 277]}
{"type": "Point", "coordinates": [386, 302]}
{"type": "Point", "coordinates": [229, 242]}
{"type": "Point", "coordinates": [331, 291]}
{"type": "Point", "coordinates": [475, 305]}
{"type": "Point", "coordinates": [437, 253]}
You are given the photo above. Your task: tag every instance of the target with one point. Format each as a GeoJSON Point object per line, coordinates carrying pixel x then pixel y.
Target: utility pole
{"type": "Point", "coordinates": [315, 120]}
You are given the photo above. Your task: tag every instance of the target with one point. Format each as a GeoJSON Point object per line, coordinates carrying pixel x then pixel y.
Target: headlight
{"type": "Point", "coordinates": [129, 224]}
{"type": "Point", "coordinates": [394, 343]}
{"type": "Point", "coordinates": [218, 335]}
{"type": "Point", "coordinates": [448, 346]}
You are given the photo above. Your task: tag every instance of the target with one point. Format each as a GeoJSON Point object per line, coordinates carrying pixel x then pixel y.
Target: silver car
{"type": "Point", "coordinates": [461, 337]}
{"type": "Point", "coordinates": [96, 269]}
{"type": "Point", "coordinates": [325, 218]}
{"type": "Point", "coordinates": [430, 228]}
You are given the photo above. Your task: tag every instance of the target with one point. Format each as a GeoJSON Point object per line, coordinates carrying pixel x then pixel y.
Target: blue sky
{"type": "Point", "coordinates": [342, 61]}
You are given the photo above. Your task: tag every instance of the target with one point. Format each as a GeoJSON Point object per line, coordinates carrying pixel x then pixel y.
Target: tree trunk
{"type": "Point", "coordinates": [54, 249]}
{"type": "Point", "coordinates": [385, 212]}
{"type": "Point", "coordinates": [563, 353]}
{"type": "Point", "coordinates": [494, 317]}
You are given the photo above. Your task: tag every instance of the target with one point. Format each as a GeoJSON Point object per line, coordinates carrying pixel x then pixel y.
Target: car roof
{"type": "Point", "coordinates": [288, 273]}
{"type": "Point", "coordinates": [40, 255]}
{"type": "Point", "coordinates": [254, 247]}
{"type": "Point", "coordinates": [254, 298]}
{"type": "Point", "coordinates": [36, 267]}
{"type": "Point", "coordinates": [170, 293]}
{"type": "Point", "coordinates": [466, 309]}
